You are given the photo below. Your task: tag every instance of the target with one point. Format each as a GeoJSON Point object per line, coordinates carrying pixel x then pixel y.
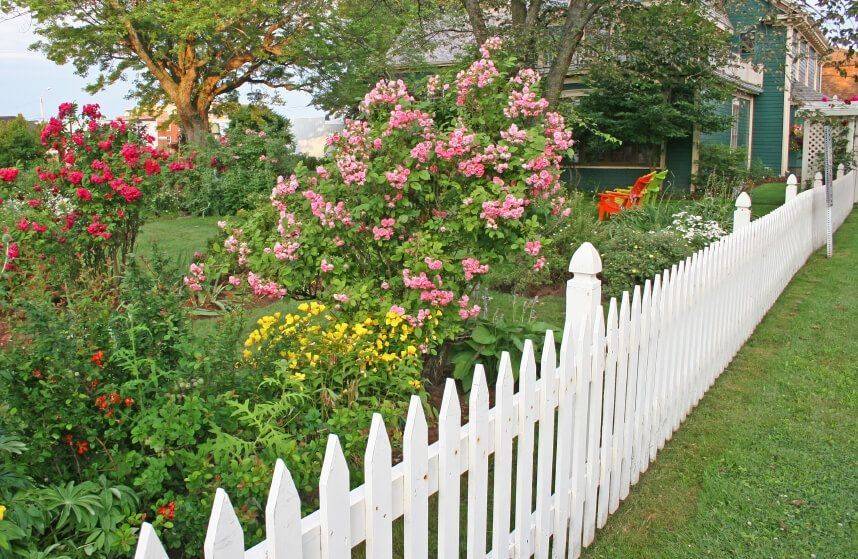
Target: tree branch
{"type": "Point", "coordinates": [477, 19]}
{"type": "Point", "coordinates": [577, 18]}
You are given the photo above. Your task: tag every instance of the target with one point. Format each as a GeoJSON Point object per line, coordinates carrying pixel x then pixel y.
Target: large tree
{"type": "Point", "coordinates": [656, 76]}
{"type": "Point", "coordinates": [184, 52]}
{"type": "Point", "coordinates": [547, 33]}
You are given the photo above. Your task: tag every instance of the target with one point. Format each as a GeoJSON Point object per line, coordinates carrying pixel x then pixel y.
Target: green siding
{"type": "Point", "coordinates": [770, 51]}
{"type": "Point", "coordinates": [679, 164]}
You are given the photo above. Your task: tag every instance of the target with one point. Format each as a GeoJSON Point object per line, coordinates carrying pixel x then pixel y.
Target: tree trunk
{"type": "Point", "coordinates": [194, 125]}
{"type": "Point", "coordinates": [577, 18]}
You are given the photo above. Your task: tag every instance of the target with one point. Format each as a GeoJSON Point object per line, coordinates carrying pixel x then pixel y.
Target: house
{"type": "Point", "coordinates": [781, 40]}
{"type": "Point", "coordinates": [162, 125]}
{"type": "Point", "coordinates": [776, 69]}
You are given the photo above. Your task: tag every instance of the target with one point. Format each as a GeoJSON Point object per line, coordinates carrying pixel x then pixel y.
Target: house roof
{"type": "Point", "coordinates": [802, 94]}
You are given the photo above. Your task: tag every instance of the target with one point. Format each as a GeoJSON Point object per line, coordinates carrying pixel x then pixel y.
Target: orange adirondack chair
{"type": "Point", "coordinates": [613, 201]}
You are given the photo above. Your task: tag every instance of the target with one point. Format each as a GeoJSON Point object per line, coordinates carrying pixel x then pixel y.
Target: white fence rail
{"type": "Point", "coordinates": [585, 428]}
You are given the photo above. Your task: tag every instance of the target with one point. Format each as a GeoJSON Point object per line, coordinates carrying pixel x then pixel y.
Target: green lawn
{"type": "Point", "coordinates": [767, 465]}
{"type": "Point", "coordinates": [767, 197]}
{"type": "Point", "coordinates": [179, 237]}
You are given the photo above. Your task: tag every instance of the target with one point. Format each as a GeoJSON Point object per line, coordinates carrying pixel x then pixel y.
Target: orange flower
{"type": "Point", "coordinates": [98, 358]}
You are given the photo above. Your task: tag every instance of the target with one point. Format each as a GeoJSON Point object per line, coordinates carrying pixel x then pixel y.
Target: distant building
{"type": "Point", "coordinates": [311, 133]}
{"type": "Point", "coordinates": [164, 127]}
{"type": "Point", "coordinates": [840, 75]}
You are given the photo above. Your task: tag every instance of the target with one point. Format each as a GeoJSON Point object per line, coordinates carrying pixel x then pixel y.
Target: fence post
{"type": "Point", "coordinates": [841, 171]}
{"type": "Point", "coordinates": [742, 215]}
{"type": "Point", "coordinates": [584, 290]}
{"type": "Point", "coordinates": [817, 180]}
{"type": "Point", "coordinates": [791, 188]}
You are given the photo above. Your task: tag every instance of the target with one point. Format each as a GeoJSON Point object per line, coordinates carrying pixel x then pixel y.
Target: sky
{"type": "Point", "coordinates": [27, 76]}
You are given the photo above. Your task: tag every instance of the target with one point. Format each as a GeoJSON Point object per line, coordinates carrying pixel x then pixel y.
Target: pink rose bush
{"type": "Point", "coordinates": [422, 195]}
{"type": "Point", "coordinates": [83, 206]}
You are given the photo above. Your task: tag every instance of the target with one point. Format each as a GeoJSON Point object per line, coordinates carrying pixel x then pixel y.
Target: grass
{"type": "Point", "coordinates": [177, 236]}
{"type": "Point", "coordinates": [766, 197]}
{"type": "Point", "coordinates": [766, 465]}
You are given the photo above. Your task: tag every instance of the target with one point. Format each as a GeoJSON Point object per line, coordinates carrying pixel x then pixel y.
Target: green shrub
{"type": "Point", "coordinates": [631, 256]}
{"type": "Point", "coordinates": [235, 173]}
{"type": "Point", "coordinates": [723, 171]}
{"type": "Point", "coordinates": [19, 143]}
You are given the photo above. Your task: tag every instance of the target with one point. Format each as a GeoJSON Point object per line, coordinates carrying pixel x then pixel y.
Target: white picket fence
{"type": "Point", "coordinates": [585, 428]}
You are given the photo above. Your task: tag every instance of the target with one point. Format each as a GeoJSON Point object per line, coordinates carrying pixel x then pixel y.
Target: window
{"type": "Point", "coordinates": [811, 73]}
{"type": "Point", "coordinates": [802, 62]}
{"type": "Point", "coordinates": [734, 128]}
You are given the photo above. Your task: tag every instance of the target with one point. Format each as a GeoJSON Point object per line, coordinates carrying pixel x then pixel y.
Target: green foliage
{"type": "Point", "coordinates": [19, 143]}
{"type": "Point", "coordinates": [631, 256]}
{"type": "Point", "coordinates": [723, 171]}
{"type": "Point", "coordinates": [421, 196]}
{"type": "Point", "coordinates": [491, 335]}
{"type": "Point", "coordinates": [656, 78]}
{"type": "Point", "coordinates": [236, 173]}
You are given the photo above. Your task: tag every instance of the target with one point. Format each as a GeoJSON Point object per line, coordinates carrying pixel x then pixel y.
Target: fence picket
{"type": "Point", "coordinates": [504, 432]}
{"type": "Point", "coordinates": [224, 537]}
{"type": "Point", "coordinates": [617, 447]}
{"type": "Point", "coordinates": [606, 455]}
{"type": "Point", "coordinates": [333, 493]}
{"type": "Point", "coordinates": [449, 468]}
{"type": "Point", "coordinates": [582, 383]}
{"type": "Point", "coordinates": [148, 545]}
{"type": "Point", "coordinates": [377, 501]}
{"type": "Point", "coordinates": [283, 515]}
{"type": "Point", "coordinates": [594, 426]}
{"type": "Point", "coordinates": [527, 414]}
{"type": "Point", "coordinates": [415, 456]}
{"type": "Point", "coordinates": [545, 456]}
{"type": "Point", "coordinates": [478, 464]}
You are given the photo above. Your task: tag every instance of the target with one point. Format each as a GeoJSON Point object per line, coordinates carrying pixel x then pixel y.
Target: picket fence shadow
{"type": "Point", "coordinates": [586, 426]}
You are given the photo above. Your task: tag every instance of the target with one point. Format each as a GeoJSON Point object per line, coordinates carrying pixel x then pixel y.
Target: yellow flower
{"type": "Point", "coordinates": [415, 384]}
{"type": "Point", "coordinates": [246, 353]}
{"type": "Point", "coordinates": [303, 307]}
{"type": "Point", "coordinates": [298, 377]}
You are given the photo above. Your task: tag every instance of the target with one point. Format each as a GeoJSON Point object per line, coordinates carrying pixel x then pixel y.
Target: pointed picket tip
{"type": "Point", "coordinates": [791, 179]}
{"type": "Point", "coordinates": [416, 420]}
{"type": "Point", "coordinates": [505, 377]}
{"type": "Point", "coordinates": [625, 307]}
{"type": "Point", "coordinates": [451, 409]}
{"type": "Point", "coordinates": [647, 289]}
{"type": "Point", "coordinates": [598, 325]}
{"type": "Point", "coordinates": [613, 322]}
{"type": "Point", "coordinates": [548, 361]}
{"type": "Point", "coordinates": [378, 443]}
{"type": "Point", "coordinates": [224, 537]}
{"type": "Point", "coordinates": [479, 386]}
{"type": "Point", "coordinates": [586, 260]}
{"type": "Point", "coordinates": [334, 461]}
{"type": "Point", "coordinates": [283, 515]}
{"type": "Point", "coordinates": [148, 544]}
{"type": "Point", "coordinates": [743, 201]}
{"type": "Point", "coordinates": [527, 368]}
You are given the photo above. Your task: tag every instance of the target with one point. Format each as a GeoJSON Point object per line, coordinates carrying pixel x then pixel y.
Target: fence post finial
{"type": "Point", "coordinates": [841, 171]}
{"type": "Point", "coordinates": [791, 188]}
{"type": "Point", "coordinates": [817, 180]}
{"type": "Point", "coordinates": [584, 290]}
{"type": "Point", "coordinates": [742, 215]}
